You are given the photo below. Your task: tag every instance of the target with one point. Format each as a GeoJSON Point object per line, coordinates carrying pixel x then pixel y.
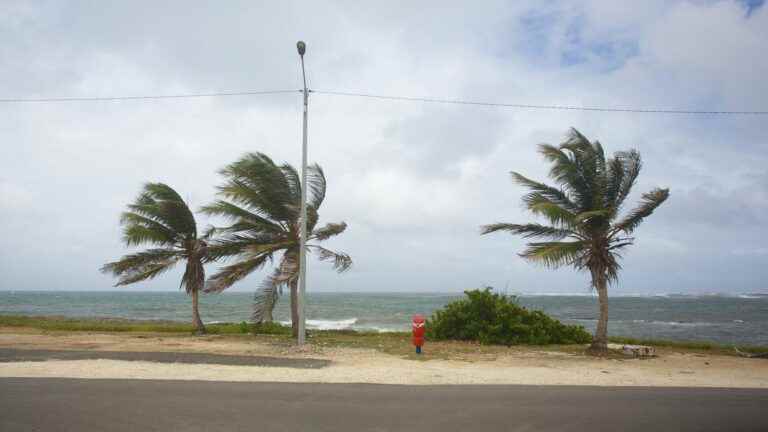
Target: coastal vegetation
{"type": "Point", "coordinates": [262, 200]}
{"type": "Point", "coordinates": [491, 318]}
{"type": "Point", "coordinates": [160, 218]}
{"type": "Point", "coordinates": [586, 229]}
{"type": "Point", "coordinates": [397, 343]}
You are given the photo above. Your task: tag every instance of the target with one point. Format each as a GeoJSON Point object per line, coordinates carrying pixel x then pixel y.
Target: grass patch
{"type": "Point", "coordinates": [115, 325]}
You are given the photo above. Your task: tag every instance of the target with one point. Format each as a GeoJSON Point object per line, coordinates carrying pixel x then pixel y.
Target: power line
{"type": "Point", "coordinates": [531, 106]}
{"type": "Point", "coordinates": [145, 97]}
{"type": "Point", "coordinates": [386, 97]}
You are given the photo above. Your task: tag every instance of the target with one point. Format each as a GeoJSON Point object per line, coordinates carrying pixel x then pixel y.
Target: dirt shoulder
{"type": "Point", "coordinates": [346, 362]}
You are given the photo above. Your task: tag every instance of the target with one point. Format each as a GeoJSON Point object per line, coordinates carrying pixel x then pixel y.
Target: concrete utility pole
{"type": "Point", "coordinates": [302, 48]}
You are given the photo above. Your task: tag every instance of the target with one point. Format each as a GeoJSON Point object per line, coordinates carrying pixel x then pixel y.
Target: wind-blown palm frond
{"type": "Point", "coordinates": [140, 230]}
{"type": "Point", "coordinates": [631, 165]}
{"type": "Point", "coordinates": [582, 212]}
{"type": "Point", "coordinates": [531, 230]}
{"type": "Point", "coordinates": [649, 202]}
{"type": "Point", "coordinates": [257, 182]}
{"type": "Point", "coordinates": [142, 265]}
{"type": "Point", "coordinates": [315, 186]}
{"type": "Point", "coordinates": [247, 219]}
{"type": "Point", "coordinates": [540, 190]}
{"type": "Point", "coordinates": [162, 204]}
{"type": "Point", "coordinates": [555, 254]}
{"type": "Point", "coordinates": [265, 299]}
{"type": "Point", "coordinates": [341, 261]}
{"type": "Point", "coordinates": [328, 231]}
{"type": "Point", "coordinates": [228, 275]}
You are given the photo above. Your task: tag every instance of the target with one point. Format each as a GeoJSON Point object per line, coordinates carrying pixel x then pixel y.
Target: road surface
{"type": "Point", "coordinates": [18, 355]}
{"type": "Point", "coordinates": [52, 404]}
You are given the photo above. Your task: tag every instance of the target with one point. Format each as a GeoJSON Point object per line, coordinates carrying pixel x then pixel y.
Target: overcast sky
{"type": "Point", "coordinates": [414, 181]}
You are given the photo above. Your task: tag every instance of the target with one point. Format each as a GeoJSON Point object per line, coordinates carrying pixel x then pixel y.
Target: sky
{"type": "Point", "coordinates": [413, 181]}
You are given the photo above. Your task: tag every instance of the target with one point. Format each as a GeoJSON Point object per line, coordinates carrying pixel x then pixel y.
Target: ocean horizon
{"type": "Point", "coordinates": [726, 318]}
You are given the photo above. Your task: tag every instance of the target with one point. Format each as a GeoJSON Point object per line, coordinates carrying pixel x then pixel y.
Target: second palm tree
{"type": "Point", "coordinates": [262, 201]}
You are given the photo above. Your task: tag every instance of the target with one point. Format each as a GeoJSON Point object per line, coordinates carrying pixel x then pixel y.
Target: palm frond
{"type": "Point", "coordinates": [555, 214]}
{"type": "Point", "coordinates": [292, 178]}
{"type": "Point", "coordinates": [328, 231]}
{"type": "Point", "coordinates": [234, 212]}
{"type": "Point", "coordinates": [555, 254]}
{"type": "Point", "coordinates": [316, 185]}
{"type": "Point", "coordinates": [566, 171]}
{"type": "Point", "coordinates": [614, 179]}
{"type": "Point", "coordinates": [341, 261]}
{"type": "Point", "coordinates": [256, 181]}
{"type": "Point", "coordinates": [589, 216]}
{"type": "Point", "coordinates": [541, 190]}
{"type": "Point", "coordinates": [163, 204]}
{"type": "Point", "coordinates": [631, 165]}
{"type": "Point", "coordinates": [648, 203]}
{"type": "Point", "coordinates": [138, 230]}
{"type": "Point", "coordinates": [531, 230]}
{"type": "Point", "coordinates": [312, 218]}
{"type": "Point", "coordinates": [248, 244]}
{"type": "Point", "coordinates": [142, 265]}
{"type": "Point", "coordinates": [209, 232]}
{"type": "Point", "coordinates": [265, 299]}
{"type": "Point", "coordinates": [228, 275]}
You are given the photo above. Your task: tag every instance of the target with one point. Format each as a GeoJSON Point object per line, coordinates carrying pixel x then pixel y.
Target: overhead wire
{"type": "Point", "coordinates": [145, 97]}
{"type": "Point", "coordinates": [533, 106]}
{"type": "Point", "coordinates": [434, 100]}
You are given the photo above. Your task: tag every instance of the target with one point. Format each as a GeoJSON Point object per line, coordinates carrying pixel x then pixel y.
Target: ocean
{"type": "Point", "coordinates": [723, 319]}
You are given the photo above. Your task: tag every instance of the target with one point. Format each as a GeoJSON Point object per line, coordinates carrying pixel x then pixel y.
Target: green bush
{"type": "Point", "coordinates": [496, 319]}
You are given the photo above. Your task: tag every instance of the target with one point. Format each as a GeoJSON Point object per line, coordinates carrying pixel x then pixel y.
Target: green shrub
{"type": "Point", "coordinates": [497, 319]}
{"type": "Point", "coordinates": [244, 327]}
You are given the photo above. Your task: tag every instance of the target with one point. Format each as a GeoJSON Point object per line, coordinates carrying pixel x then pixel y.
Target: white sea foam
{"type": "Point", "coordinates": [344, 324]}
{"type": "Point", "coordinates": [675, 323]}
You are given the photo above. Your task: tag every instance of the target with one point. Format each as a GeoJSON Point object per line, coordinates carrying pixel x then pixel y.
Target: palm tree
{"type": "Point", "coordinates": [262, 201]}
{"type": "Point", "coordinates": [159, 217]}
{"type": "Point", "coordinates": [585, 229]}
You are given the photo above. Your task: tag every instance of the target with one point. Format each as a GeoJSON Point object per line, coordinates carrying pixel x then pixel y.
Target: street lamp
{"type": "Point", "coordinates": [302, 48]}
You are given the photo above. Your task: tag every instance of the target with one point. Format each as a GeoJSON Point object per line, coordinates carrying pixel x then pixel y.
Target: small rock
{"type": "Point", "coordinates": [638, 351]}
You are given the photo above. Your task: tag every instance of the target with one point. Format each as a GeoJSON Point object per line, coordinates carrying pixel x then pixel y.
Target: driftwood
{"type": "Point", "coordinates": [750, 355]}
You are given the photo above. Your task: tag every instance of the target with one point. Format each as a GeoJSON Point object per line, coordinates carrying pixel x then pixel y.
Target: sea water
{"type": "Point", "coordinates": [718, 318]}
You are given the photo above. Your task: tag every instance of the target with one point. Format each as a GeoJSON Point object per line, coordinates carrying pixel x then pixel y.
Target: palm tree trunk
{"type": "Point", "coordinates": [295, 307]}
{"type": "Point", "coordinates": [196, 321]}
{"type": "Point", "coordinates": [600, 341]}
{"type": "Point", "coordinates": [266, 315]}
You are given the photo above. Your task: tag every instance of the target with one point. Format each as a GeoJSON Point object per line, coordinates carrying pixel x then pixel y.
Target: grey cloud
{"type": "Point", "coordinates": [414, 181]}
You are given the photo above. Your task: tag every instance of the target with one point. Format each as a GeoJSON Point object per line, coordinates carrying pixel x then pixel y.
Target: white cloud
{"type": "Point", "coordinates": [414, 181]}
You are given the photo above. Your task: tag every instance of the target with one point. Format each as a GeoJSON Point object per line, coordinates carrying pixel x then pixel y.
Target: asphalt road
{"type": "Point", "coordinates": [17, 355]}
{"type": "Point", "coordinates": [45, 404]}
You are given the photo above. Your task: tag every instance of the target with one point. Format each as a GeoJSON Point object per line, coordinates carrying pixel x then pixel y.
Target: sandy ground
{"type": "Point", "coordinates": [516, 366]}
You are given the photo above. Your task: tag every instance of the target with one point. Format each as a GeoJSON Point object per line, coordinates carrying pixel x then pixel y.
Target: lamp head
{"type": "Point", "coordinates": [302, 47]}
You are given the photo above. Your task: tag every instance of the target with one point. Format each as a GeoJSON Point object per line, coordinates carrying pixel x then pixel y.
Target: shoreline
{"type": "Point", "coordinates": [128, 325]}
{"type": "Point", "coordinates": [347, 357]}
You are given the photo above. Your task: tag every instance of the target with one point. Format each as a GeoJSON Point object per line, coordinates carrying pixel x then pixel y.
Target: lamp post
{"type": "Point", "coordinates": [302, 48]}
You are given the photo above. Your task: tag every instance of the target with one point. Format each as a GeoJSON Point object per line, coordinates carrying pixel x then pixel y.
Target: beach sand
{"type": "Point", "coordinates": [516, 365]}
